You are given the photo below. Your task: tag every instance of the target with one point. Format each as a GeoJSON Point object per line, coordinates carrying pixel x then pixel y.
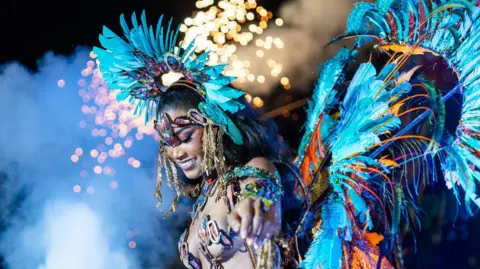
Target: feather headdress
{"type": "Point", "coordinates": [145, 63]}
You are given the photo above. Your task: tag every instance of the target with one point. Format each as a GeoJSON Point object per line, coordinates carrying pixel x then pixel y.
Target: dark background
{"type": "Point", "coordinates": [31, 28]}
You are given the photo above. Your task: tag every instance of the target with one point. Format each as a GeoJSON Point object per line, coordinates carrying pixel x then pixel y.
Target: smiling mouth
{"type": "Point", "coordinates": [187, 165]}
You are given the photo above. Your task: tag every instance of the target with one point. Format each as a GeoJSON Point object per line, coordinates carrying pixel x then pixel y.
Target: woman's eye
{"type": "Point", "coordinates": [186, 138]}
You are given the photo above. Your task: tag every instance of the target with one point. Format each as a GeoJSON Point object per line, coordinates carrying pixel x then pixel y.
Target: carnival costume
{"type": "Point", "coordinates": [370, 140]}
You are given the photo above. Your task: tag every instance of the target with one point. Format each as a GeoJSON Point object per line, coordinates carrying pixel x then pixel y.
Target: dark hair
{"type": "Point", "coordinates": [260, 135]}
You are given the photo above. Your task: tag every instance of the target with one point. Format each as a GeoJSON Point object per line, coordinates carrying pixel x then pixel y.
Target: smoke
{"type": "Point", "coordinates": [77, 225]}
{"type": "Point", "coordinates": [308, 26]}
{"type": "Point", "coordinates": [44, 223]}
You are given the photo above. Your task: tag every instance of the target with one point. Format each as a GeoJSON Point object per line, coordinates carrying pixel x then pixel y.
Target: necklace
{"type": "Point", "coordinates": [206, 191]}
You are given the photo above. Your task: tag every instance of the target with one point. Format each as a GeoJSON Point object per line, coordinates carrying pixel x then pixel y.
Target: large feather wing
{"type": "Point", "coordinates": [371, 141]}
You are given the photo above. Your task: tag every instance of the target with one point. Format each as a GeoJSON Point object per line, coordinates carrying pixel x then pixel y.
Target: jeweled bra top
{"type": "Point", "coordinates": [209, 232]}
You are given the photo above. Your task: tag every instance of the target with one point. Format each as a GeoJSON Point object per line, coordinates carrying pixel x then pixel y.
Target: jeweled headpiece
{"type": "Point", "coordinates": [145, 63]}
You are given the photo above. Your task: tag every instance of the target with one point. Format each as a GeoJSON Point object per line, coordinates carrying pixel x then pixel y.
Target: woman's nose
{"type": "Point", "coordinates": [177, 152]}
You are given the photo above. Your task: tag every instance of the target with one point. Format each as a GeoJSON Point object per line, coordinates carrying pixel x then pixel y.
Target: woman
{"type": "Point", "coordinates": [233, 162]}
{"type": "Point", "coordinates": [224, 211]}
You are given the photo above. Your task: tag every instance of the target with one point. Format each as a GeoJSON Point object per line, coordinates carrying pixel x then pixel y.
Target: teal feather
{"type": "Point", "coordinates": [110, 39]}
{"type": "Point", "coordinates": [403, 28]}
{"type": "Point", "coordinates": [143, 19]}
{"type": "Point", "coordinates": [146, 43]}
{"type": "Point", "coordinates": [223, 80]}
{"type": "Point", "coordinates": [159, 37]}
{"type": "Point", "coordinates": [125, 28]}
{"type": "Point", "coordinates": [386, 71]}
{"type": "Point", "coordinates": [363, 112]}
{"type": "Point", "coordinates": [361, 208]}
{"type": "Point", "coordinates": [355, 20]}
{"type": "Point", "coordinates": [200, 61]}
{"type": "Point", "coordinates": [324, 95]}
{"type": "Point", "coordinates": [173, 37]}
{"type": "Point", "coordinates": [134, 21]}
{"type": "Point", "coordinates": [167, 36]}
{"type": "Point", "coordinates": [384, 5]}
{"type": "Point", "coordinates": [223, 95]}
{"type": "Point", "coordinates": [326, 249]}
{"type": "Point", "coordinates": [216, 70]}
{"type": "Point", "coordinates": [189, 51]}
{"type": "Point", "coordinates": [154, 44]}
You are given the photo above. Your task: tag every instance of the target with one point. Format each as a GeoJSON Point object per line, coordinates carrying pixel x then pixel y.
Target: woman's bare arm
{"type": "Point", "coordinates": [248, 217]}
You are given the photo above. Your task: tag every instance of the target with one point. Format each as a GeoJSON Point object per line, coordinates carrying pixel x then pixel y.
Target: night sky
{"type": "Point", "coordinates": [31, 28]}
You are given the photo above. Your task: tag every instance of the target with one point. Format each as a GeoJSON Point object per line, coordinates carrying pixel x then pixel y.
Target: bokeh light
{"type": "Point", "coordinates": [97, 169]}
{"type": "Point", "coordinates": [90, 190]}
{"type": "Point", "coordinates": [113, 184]}
{"type": "Point", "coordinates": [61, 83]}
{"type": "Point", "coordinates": [77, 188]}
{"type": "Point", "coordinates": [79, 151]}
{"type": "Point", "coordinates": [74, 158]}
{"type": "Point", "coordinates": [222, 26]}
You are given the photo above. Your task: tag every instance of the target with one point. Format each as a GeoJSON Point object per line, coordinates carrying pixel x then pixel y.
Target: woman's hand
{"type": "Point", "coordinates": [254, 225]}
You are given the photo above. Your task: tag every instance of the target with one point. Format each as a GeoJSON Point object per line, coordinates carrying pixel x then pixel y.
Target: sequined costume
{"type": "Point", "coordinates": [209, 233]}
{"type": "Point", "coordinates": [372, 136]}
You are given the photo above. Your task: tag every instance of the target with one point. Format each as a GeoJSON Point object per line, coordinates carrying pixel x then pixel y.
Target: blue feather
{"type": "Point", "coordinates": [123, 23]}
{"type": "Point", "coordinates": [326, 249]}
{"type": "Point", "coordinates": [159, 37]}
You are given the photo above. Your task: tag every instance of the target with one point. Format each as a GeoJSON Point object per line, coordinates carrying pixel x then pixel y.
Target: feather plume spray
{"type": "Point", "coordinates": [450, 30]}
{"type": "Point", "coordinates": [317, 127]}
{"type": "Point", "coordinates": [145, 63]}
{"type": "Point", "coordinates": [364, 116]}
{"type": "Point", "coordinates": [374, 134]}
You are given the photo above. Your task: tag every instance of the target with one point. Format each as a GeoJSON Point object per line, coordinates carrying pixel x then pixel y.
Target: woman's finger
{"type": "Point", "coordinates": [266, 231]}
{"type": "Point", "coordinates": [257, 218]}
{"type": "Point", "coordinates": [245, 212]}
{"type": "Point", "coordinates": [233, 220]}
{"type": "Point", "coordinates": [257, 222]}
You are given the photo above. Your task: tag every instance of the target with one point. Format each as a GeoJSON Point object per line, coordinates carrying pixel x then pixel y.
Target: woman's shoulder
{"type": "Point", "coordinates": [258, 167]}
{"type": "Point", "coordinates": [262, 163]}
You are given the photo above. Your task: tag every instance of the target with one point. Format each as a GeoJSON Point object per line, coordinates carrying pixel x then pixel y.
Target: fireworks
{"type": "Point", "coordinates": [224, 27]}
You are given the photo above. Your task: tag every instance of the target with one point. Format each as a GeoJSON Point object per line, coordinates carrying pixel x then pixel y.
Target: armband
{"type": "Point", "coordinates": [267, 187]}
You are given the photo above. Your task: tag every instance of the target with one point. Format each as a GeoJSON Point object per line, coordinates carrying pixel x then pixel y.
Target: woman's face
{"type": "Point", "coordinates": [188, 154]}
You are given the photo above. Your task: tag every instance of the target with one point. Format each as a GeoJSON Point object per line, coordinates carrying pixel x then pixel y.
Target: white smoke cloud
{"type": "Point", "coordinates": [76, 226]}
{"type": "Point", "coordinates": [46, 225]}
